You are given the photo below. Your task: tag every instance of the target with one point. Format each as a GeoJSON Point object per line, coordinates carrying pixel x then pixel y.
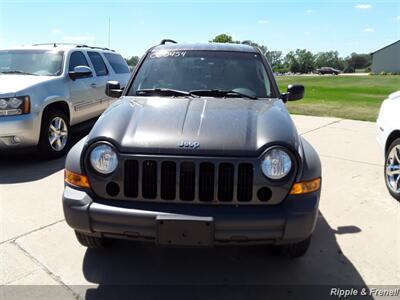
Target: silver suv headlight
{"type": "Point", "coordinates": [276, 164]}
{"type": "Point", "coordinates": [104, 159]}
{"type": "Point", "coordinates": [14, 106]}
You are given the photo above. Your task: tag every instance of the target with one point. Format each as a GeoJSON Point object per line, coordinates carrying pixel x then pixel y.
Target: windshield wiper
{"type": "Point", "coordinates": [18, 72]}
{"type": "Point", "coordinates": [222, 93]}
{"type": "Point", "coordinates": [164, 92]}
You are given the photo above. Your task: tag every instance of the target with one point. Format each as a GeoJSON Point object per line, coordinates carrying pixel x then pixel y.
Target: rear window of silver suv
{"type": "Point", "coordinates": [117, 63]}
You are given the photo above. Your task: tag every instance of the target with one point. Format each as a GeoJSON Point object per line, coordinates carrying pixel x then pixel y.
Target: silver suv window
{"type": "Point", "coordinates": [31, 62]}
{"type": "Point", "coordinates": [98, 63]}
{"type": "Point", "coordinates": [77, 59]}
{"type": "Point", "coordinates": [117, 63]}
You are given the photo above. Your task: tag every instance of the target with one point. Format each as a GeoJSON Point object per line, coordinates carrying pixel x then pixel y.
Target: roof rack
{"type": "Point", "coordinates": [164, 41]}
{"type": "Point", "coordinates": [72, 44]}
{"type": "Point", "coordinates": [56, 44]}
{"type": "Point", "coordinates": [91, 47]}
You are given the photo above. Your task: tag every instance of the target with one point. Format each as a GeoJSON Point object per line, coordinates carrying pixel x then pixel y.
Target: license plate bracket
{"type": "Point", "coordinates": [185, 231]}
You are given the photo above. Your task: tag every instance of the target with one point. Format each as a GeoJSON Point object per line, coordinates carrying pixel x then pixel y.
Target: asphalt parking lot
{"type": "Point", "coordinates": [357, 240]}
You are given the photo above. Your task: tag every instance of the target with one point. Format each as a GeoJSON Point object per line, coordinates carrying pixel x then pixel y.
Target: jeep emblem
{"type": "Point", "coordinates": [187, 144]}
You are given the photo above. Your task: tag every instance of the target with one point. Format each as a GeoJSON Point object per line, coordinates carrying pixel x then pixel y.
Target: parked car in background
{"type": "Point", "coordinates": [46, 88]}
{"type": "Point", "coordinates": [199, 151]}
{"type": "Point", "coordinates": [388, 127]}
{"type": "Point", "coordinates": [328, 70]}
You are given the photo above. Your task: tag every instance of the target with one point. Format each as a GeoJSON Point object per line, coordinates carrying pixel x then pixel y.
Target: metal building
{"type": "Point", "coordinates": [387, 59]}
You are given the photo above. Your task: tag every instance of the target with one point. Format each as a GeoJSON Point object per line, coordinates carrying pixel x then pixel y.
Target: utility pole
{"type": "Point", "coordinates": [109, 31]}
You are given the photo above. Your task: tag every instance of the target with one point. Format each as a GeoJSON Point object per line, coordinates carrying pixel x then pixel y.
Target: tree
{"type": "Point", "coordinates": [222, 38]}
{"type": "Point", "coordinates": [358, 61]}
{"type": "Point", "coordinates": [291, 62]}
{"type": "Point", "coordinates": [301, 61]}
{"type": "Point", "coordinates": [329, 59]}
{"type": "Point", "coordinates": [275, 59]}
{"type": "Point", "coordinates": [132, 62]}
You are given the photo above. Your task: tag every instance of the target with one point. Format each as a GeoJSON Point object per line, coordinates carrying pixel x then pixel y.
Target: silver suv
{"type": "Point", "coordinates": [46, 88]}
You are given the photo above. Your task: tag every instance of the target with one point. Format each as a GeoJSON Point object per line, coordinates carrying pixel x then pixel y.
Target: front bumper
{"type": "Point", "coordinates": [293, 220]}
{"type": "Point", "coordinates": [19, 131]}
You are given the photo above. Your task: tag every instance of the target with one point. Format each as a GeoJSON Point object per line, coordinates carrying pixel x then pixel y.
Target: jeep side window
{"type": "Point", "coordinates": [98, 63]}
{"type": "Point", "coordinates": [77, 59]}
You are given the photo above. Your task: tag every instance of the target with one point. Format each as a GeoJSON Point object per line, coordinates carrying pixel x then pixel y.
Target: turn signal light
{"type": "Point", "coordinates": [76, 179]}
{"type": "Point", "coordinates": [27, 105]}
{"type": "Point", "coordinates": [305, 187]}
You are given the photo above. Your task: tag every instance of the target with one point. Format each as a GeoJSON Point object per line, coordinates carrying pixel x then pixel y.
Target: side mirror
{"type": "Point", "coordinates": [80, 72]}
{"type": "Point", "coordinates": [294, 92]}
{"type": "Point", "coordinates": [113, 89]}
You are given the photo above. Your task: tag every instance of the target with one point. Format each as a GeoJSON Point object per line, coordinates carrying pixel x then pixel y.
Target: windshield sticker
{"type": "Point", "coordinates": [164, 53]}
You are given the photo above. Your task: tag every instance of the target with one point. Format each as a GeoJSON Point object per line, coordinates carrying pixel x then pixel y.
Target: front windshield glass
{"type": "Point", "coordinates": [203, 70]}
{"type": "Point", "coordinates": [34, 62]}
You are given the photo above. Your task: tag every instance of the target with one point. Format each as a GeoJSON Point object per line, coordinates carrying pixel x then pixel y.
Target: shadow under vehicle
{"type": "Point", "coordinates": [149, 272]}
{"type": "Point", "coordinates": [26, 165]}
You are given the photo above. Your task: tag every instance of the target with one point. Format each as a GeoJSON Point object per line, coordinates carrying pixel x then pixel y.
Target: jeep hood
{"type": "Point", "coordinates": [158, 125]}
{"type": "Point", "coordinates": [11, 84]}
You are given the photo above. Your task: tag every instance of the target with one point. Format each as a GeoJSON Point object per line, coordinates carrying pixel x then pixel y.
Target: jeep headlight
{"type": "Point", "coordinates": [276, 164]}
{"type": "Point", "coordinates": [104, 159]}
{"type": "Point", "coordinates": [14, 106]}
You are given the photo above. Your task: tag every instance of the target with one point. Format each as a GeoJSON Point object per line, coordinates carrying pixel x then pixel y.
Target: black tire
{"type": "Point", "coordinates": [91, 242]}
{"type": "Point", "coordinates": [45, 148]}
{"type": "Point", "coordinates": [395, 143]}
{"type": "Point", "coordinates": [294, 250]}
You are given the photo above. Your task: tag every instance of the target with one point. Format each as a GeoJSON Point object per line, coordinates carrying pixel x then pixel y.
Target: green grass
{"type": "Point", "coordinates": [350, 97]}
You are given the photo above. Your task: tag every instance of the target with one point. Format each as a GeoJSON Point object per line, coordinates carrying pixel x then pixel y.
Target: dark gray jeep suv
{"type": "Point", "coordinates": [200, 150]}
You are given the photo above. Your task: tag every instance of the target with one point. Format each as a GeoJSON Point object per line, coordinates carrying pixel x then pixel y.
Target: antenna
{"type": "Point", "coordinates": [109, 31]}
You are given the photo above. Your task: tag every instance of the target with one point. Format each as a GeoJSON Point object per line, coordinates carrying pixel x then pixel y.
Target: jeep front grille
{"type": "Point", "coordinates": [188, 181]}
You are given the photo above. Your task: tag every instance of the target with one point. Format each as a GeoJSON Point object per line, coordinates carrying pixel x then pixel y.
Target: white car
{"type": "Point", "coordinates": [388, 124]}
{"type": "Point", "coordinates": [46, 88]}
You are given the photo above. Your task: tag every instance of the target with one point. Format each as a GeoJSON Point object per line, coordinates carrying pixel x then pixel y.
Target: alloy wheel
{"type": "Point", "coordinates": [393, 169]}
{"type": "Point", "coordinates": [58, 134]}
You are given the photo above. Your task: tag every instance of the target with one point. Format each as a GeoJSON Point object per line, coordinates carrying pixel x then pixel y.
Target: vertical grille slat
{"type": "Point", "coordinates": [206, 181]}
{"type": "Point", "coordinates": [245, 182]}
{"type": "Point", "coordinates": [149, 179]}
{"type": "Point", "coordinates": [225, 182]}
{"type": "Point", "coordinates": [131, 179]}
{"type": "Point", "coordinates": [168, 180]}
{"type": "Point", "coordinates": [187, 178]}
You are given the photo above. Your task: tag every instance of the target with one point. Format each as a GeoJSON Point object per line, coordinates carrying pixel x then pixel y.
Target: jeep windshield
{"type": "Point", "coordinates": [202, 73]}
{"type": "Point", "coordinates": [31, 62]}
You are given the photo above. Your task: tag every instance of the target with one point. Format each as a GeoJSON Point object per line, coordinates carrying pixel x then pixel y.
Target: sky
{"type": "Point", "coordinates": [343, 25]}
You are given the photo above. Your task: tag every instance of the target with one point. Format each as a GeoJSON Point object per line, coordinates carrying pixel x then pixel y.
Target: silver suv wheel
{"type": "Point", "coordinates": [58, 134]}
{"type": "Point", "coordinates": [393, 169]}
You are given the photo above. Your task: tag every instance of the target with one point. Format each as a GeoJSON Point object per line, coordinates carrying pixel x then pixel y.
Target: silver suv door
{"type": "Point", "coordinates": [99, 86]}
{"type": "Point", "coordinates": [81, 96]}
